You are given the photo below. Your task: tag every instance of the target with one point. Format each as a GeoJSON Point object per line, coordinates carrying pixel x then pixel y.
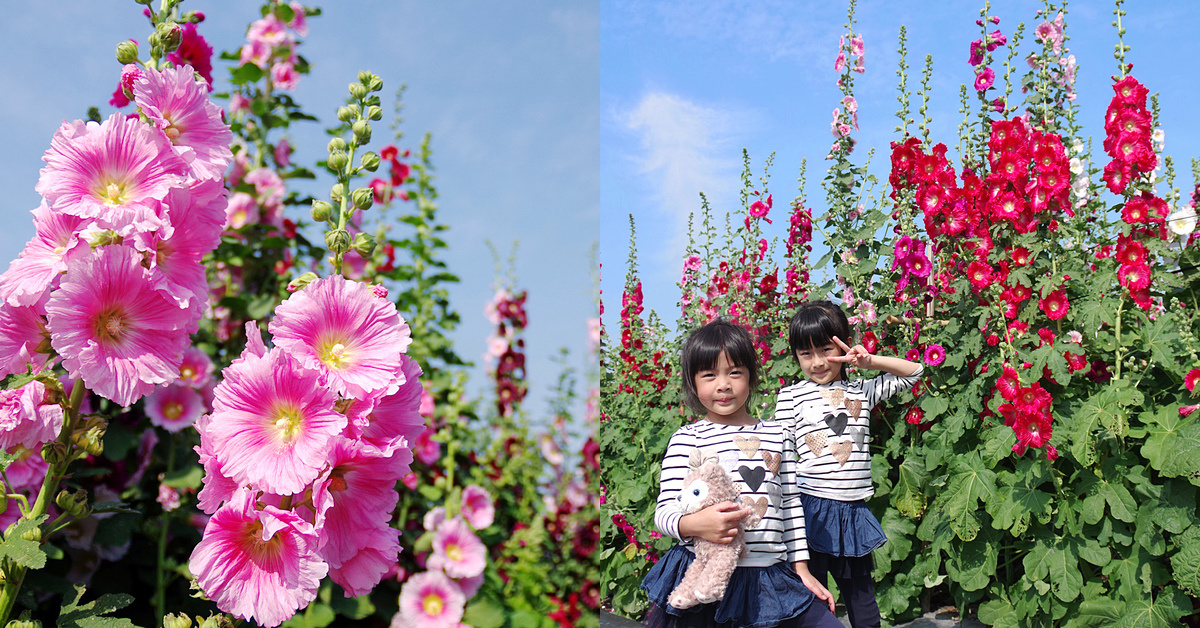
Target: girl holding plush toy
{"type": "Point", "coordinates": [728, 493]}
{"type": "Point", "coordinates": [830, 418]}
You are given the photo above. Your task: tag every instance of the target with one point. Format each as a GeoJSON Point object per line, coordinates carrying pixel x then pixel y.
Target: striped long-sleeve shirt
{"type": "Point", "coordinates": [831, 425]}
{"type": "Point", "coordinates": [761, 460]}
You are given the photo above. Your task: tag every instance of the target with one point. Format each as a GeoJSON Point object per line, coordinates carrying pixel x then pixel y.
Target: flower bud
{"type": "Point", "coordinates": [33, 534]}
{"type": "Point", "coordinates": [336, 144]}
{"type": "Point", "coordinates": [303, 280]}
{"type": "Point", "coordinates": [321, 211]}
{"type": "Point", "coordinates": [170, 620]}
{"type": "Point", "coordinates": [364, 77]}
{"type": "Point", "coordinates": [364, 244]}
{"type": "Point", "coordinates": [376, 83]}
{"type": "Point", "coordinates": [54, 452]}
{"type": "Point", "coordinates": [338, 240]}
{"type": "Point", "coordinates": [337, 192]}
{"type": "Point", "coordinates": [362, 131]}
{"type": "Point", "coordinates": [370, 161]}
{"type": "Point", "coordinates": [358, 91]}
{"type": "Point", "coordinates": [374, 112]}
{"type": "Point", "coordinates": [170, 35]}
{"type": "Point", "coordinates": [127, 52]}
{"type": "Point", "coordinates": [74, 504]}
{"type": "Point", "coordinates": [21, 623]}
{"type": "Point", "coordinates": [344, 113]}
{"type": "Point", "coordinates": [338, 160]}
{"type": "Point", "coordinates": [363, 198]}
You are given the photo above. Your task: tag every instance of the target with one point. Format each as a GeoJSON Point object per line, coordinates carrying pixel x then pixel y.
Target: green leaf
{"type": "Point", "coordinates": [1015, 502]}
{"type": "Point", "coordinates": [246, 73]}
{"type": "Point", "coordinates": [23, 551]}
{"type": "Point", "coordinates": [974, 566]}
{"type": "Point", "coordinates": [1095, 612]}
{"type": "Point", "coordinates": [315, 615]}
{"type": "Point", "coordinates": [88, 615]}
{"type": "Point", "coordinates": [1185, 563]}
{"type": "Point", "coordinates": [188, 477]}
{"type": "Point", "coordinates": [909, 492]}
{"type": "Point", "coordinates": [484, 612]}
{"type": "Point", "coordinates": [1163, 611]}
{"type": "Point", "coordinates": [1160, 338]}
{"type": "Point", "coordinates": [970, 482]}
{"type": "Point", "coordinates": [1172, 443]}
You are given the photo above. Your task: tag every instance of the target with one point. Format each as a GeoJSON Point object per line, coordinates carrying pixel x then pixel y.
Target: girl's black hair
{"type": "Point", "coordinates": [815, 324]}
{"type": "Point", "coordinates": [705, 345]}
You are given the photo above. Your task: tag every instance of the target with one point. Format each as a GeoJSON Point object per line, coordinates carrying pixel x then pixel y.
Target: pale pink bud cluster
{"type": "Point", "coordinates": [302, 452]}
{"type": "Point", "coordinates": [112, 281]}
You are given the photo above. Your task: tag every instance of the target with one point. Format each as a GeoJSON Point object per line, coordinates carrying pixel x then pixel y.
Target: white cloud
{"type": "Point", "coordinates": [686, 150]}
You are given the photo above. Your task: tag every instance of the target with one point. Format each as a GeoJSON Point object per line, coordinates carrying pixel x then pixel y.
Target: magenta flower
{"type": "Point", "coordinates": [197, 368]}
{"type": "Point", "coordinates": [178, 105]}
{"type": "Point", "coordinates": [354, 499]}
{"type": "Point", "coordinates": [241, 211]}
{"type": "Point", "coordinates": [395, 422]}
{"type": "Point", "coordinates": [258, 564]}
{"type": "Point", "coordinates": [218, 487]}
{"type": "Point", "coordinates": [116, 173]}
{"type": "Point", "coordinates": [30, 275]}
{"type": "Point", "coordinates": [175, 254]}
{"type": "Point", "coordinates": [477, 507]}
{"type": "Point", "coordinates": [272, 422]}
{"type": "Point", "coordinates": [934, 354]}
{"type": "Point", "coordinates": [194, 51]}
{"type": "Point", "coordinates": [359, 574]}
{"type": "Point", "coordinates": [429, 600]}
{"type": "Point", "coordinates": [984, 79]}
{"type": "Point", "coordinates": [340, 329]}
{"type": "Point", "coordinates": [174, 407]}
{"type": "Point", "coordinates": [426, 449]}
{"type": "Point", "coordinates": [456, 550]}
{"type": "Point", "coordinates": [113, 329]}
{"type": "Point", "coordinates": [25, 420]}
{"type": "Point", "coordinates": [22, 330]}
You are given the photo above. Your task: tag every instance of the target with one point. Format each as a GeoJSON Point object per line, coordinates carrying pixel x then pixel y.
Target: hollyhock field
{"type": "Point", "coordinates": [226, 402]}
{"type": "Point", "coordinates": [1044, 471]}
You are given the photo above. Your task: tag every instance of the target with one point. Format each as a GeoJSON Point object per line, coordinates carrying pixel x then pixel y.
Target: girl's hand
{"type": "Point", "coordinates": [716, 524]}
{"type": "Point", "coordinates": [809, 581]}
{"type": "Point", "coordinates": [856, 355]}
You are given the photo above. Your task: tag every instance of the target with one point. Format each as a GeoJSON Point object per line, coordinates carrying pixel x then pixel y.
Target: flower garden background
{"type": "Point", "coordinates": [226, 399]}
{"type": "Point", "coordinates": [1043, 473]}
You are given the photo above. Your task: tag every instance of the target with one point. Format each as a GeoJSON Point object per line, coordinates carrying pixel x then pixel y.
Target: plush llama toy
{"type": "Point", "coordinates": [706, 484]}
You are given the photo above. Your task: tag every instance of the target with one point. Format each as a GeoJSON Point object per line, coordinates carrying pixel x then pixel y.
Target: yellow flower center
{"type": "Point", "coordinates": [113, 194]}
{"type": "Point", "coordinates": [186, 372]}
{"type": "Point", "coordinates": [110, 325]}
{"type": "Point", "coordinates": [433, 604]}
{"type": "Point", "coordinates": [288, 422]}
{"type": "Point", "coordinates": [335, 355]}
{"type": "Point", "coordinates": [454, 552]}
{"type": "Point", "coordinates": [172, 409]}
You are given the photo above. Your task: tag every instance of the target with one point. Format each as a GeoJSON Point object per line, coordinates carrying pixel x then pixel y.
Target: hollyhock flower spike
{"type": "Point", "coordinates": [338, 328]}
{"type": "Point", "coordinates": [113, 329]}
{"type": "Point", "coordinates": [256, 564]}
{"type": "Point", "coordinates": [429, 600]}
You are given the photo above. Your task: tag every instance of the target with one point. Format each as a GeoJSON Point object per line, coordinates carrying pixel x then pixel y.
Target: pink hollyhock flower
{"type": "Point", "coordinates": [359, 574]}
{"type": "Point", "coordinates": [433, 518]}
{"type": "Point", "coordinates": [113, 329]}
{"type": "Point", "coordinates": [354, 499]}
{"type": "Point", "coordinates": [477, 507]}
{"type": "Point", "coordinates": [429, 600]}
{"type": "Point", "coordinates": [299, 21]}
{"type": "Point", "coordinates": [218, 487]}
{"type": "Point", "coordinates": [178, 105]}
{"type": "Point", "coordinates": [339, 329]}
{"type": "Point", "coordinates": [197, 368]}
{"type": "Point", "coordinates": [258, 564]}
{"type": "Point", "coordinates": [284, 76]}
{"type": "Point", "coordinates": [22, 330]}
{"type": "Point", "coordinates": [175, 254]}
{"type": "Point", "coordinates": [470, 586]}
{"type": "Point", "coordinates": [283, 153]}
{"type": "Point", "coordinates": [25, 420]}
{"type": "Point", "coordinates": [45, 256]}
{"type": "Point", "coordinates": [917, 264]}
{"type": "Point", "coordinates": [977, 50]}
{"type": "Point", "coordinates": [395, 422]}
{"type": "Point", "coordinates": [934, 354]}
{"type": "Point", "coordinates": [456, 550]}
{"type": "Point", "coordinates": [426, 449]}
{"type": "Point", "coordinates": [1190, 380]}
{"type": "Point", "coordinates": [116, 172]}
{"type": "Point", "coordinates": [174, 407]}
{"type": "Point", "coordinates": [194, 51]}
{"type": "Point", "coordinates": [238, 103]}
{"type": "Point", "coordinates": [272, 423]}
{"type": "Point", "coordinates": [241, 211]}
{"type": "Point", "coordinates": [168, 497]}
{"type": "Point", "coordinates": [984, 79]}
{"type": "Point", "coordinates": [271, 31]}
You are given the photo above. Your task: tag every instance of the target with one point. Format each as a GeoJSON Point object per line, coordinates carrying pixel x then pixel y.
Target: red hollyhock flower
{"type": "Point", "coordinates": [1116, 176]}
{"type": "Point", "coordinates": [1051, 453]}
{"type": "Point", "coordinates": [1033, 398]}
{"type": "Point", "coordinates": [1130, 92]}
{"type": "Point", "coordinates": [914, 416]}
{"type": "Point", "coordinates": [1020, 256]}
{"type": "Point", "coordinates": [1055, 304]}
{"type": "Point", "coordinates": [1046, 335]}
{"type": "Point", "coordinates": [1130, 251]}
{"type": "Point", "coordinates": [1076, 361]}
{"type": "Point", "coordinates": [1008, 383]}
{"type": "Point", "coordinates": [1134, 276]}
{"type": "Point", "coordinates": [870, 341]}
{"type": "Point", "coordinates": [1032, 430]}
{"type": "Point", "coordinates": [979, 274]}
{"type": "Point", "coordinates": [1190, 380]}
{"type": "Point", "coordinates": [1135, 211]}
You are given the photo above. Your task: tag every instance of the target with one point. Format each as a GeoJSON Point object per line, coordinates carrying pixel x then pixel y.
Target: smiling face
{"type": "Point", "coordinates": [723, 390]}
{"type": "Point", "coordinates": [814, 361]}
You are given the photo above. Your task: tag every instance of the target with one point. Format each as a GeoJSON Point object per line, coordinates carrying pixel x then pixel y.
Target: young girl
{"type": "Point", "coordinates": [829, 418]}
{"type": "Point", "coordinates": [771, 584]}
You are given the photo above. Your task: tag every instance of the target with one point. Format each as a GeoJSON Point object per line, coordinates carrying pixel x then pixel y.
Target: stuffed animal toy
{"type": "Point", "coordinates": [706, 484]}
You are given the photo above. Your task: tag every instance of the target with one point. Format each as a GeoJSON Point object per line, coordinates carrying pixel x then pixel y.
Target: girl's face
{"type": "Point", "coordinates": [815, 363]}
{"type": "Point", "coordinates": [723, 391]}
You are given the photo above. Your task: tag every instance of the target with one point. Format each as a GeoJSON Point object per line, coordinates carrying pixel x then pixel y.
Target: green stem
{"type": "Point", "coordinates": [1117, 329]}
{"type": "Point", "coordinates": [15, 574]}
{"type": "Point", "coordinates": [160, 584]}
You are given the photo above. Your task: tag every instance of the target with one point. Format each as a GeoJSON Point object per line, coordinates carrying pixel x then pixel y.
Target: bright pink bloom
{"type": "Point", "coordinates": [174, 407]}
{"type": "Point", "coordinates": [218, 487]}
{"type": "Point", "coordinates": [395, 421]}
{"type": "Point", "coordinates": [25, 420]}
{"type": "Point", "coordinates": [175, 253]}
{"type": "Point", "coordinates": [457, 551]}
{"type": "Point", "coordinates": [339, 329]}
{"type": "Point", "coordinates": [113, 329]}
{"type": "Point", "coordinates": [429, 600]}
{"type": "Point", "coordinates": [258, 564]}
{"type": "Point", "coordinates": [241, 211]}
{"type": "Point", "coordinates": [178, 105]}
{"type": "Point", "coordinates": [197, 368]}
{"type": "Point", "coordinates": [426, 449]}
{"type": "Point", "coordinates": [984, 79]}
{"type": "Point", "coordinates": [934, 354]}
{"type": "Point", "coordinates": [477, 507]}
{"type": "Point", "coordinates": [116, 172]}
{"type": "Point", "coordinates": [359, 574]}
{"type": "Point", "coordinates": [284, 76]}
{"type": "Point", "coordinates": [272, 422]}
{"type": "Point", "coordinates": [22, 329]}
{"type": "Point", "coordinates": [168, 497]}
{"type": "Point", "coordinates": [434, 518]}
{"type": "Point", "coordinates": [355, 498]}
{"type": "Point", "coordinates": [29, 276]}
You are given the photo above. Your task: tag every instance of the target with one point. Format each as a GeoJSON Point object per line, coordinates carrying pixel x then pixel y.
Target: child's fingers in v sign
{"type": "Point", "coordinates": [856, 355]}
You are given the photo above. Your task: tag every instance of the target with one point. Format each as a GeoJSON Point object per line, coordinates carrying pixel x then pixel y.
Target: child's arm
{"type": "Point", "coordinates": [794, 532]}
{"type": "Point", "coordinates": [717, 523]}
{"type": "Point", "coordinates": [860, 357]}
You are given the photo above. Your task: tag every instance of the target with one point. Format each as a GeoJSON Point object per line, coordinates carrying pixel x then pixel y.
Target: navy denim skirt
{"type": "Point", "coordinates": [757, 597]}
{"type": "Point", "coordinates": [840, 528]}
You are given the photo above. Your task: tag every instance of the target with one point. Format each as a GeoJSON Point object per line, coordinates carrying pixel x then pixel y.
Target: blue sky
{"type": "Point", "coordinates": [686, 84]}
{"type": "Point", "coordinates": [509, 91]}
